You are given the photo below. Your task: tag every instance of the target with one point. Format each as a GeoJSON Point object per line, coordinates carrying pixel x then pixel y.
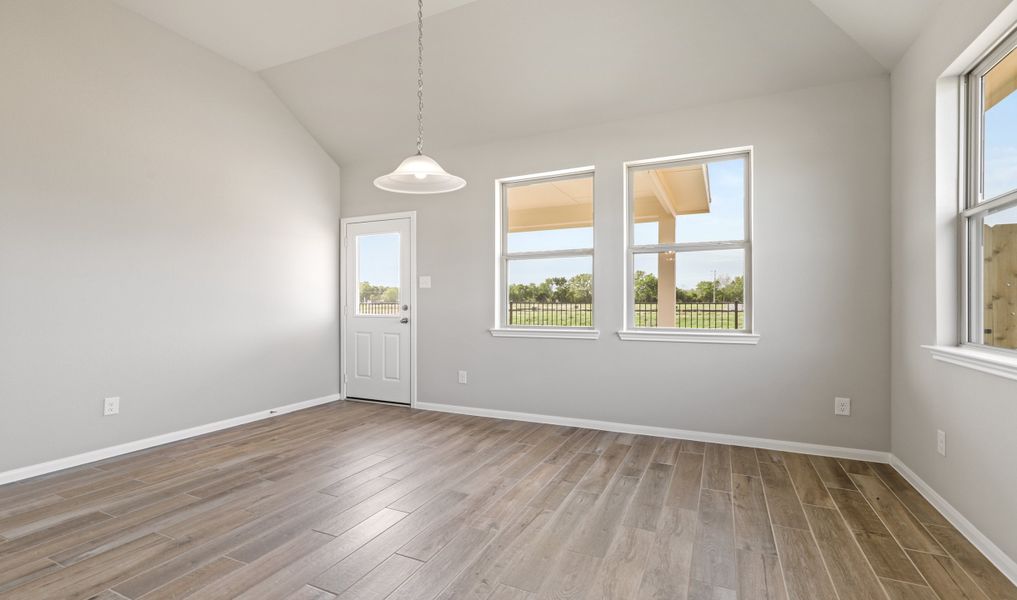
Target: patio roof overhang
{"type": "Point", "coordinates": [1001, 81]}
{"type": "Point", "coordinates": [658, 194]}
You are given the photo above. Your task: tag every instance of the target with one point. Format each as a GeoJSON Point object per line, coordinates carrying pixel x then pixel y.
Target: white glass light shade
{"type": "Point", "coordinates": [419, 174]}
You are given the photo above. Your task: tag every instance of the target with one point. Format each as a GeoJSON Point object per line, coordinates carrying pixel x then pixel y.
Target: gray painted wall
{"type": "Point", "coordinates": [821, 278]}
{"type": "Point", "coordinates": [977, 411]}
{"type": "Point", "coordinates": [168, 234]}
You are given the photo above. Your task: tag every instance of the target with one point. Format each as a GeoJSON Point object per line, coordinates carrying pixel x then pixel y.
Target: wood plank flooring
{"type": "Point", "coordinates": [361, 501]}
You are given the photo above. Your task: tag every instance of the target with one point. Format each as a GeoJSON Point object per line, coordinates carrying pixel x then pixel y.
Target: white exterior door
{"type": "Point", "coordinates": [376, 302]}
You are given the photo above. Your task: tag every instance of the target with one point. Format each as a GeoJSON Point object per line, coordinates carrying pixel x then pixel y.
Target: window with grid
{"type": "Point", "coordinates": [546, 274]}
{"type": "Point", "coordinates": [689, 251]}
{"type": "Point", "coordinates": [989, 216]}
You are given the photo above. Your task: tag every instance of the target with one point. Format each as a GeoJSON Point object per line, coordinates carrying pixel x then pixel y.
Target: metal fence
{"type": "Point", "coordinates": [550, 314]}
{"type": "Point", "coordinates": [688, 315]}
{"type": "Point", "coordinates": [696, 315]}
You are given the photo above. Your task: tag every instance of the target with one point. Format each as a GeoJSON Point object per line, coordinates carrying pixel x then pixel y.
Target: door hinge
{"type": "Point", "coordinates": [346, 378]}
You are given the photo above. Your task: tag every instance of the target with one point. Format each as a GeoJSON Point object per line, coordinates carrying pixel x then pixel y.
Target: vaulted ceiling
{"type": "Point", "coordinates": [505, 68]}
{"type": "Point", "coordinates": [260, 34]}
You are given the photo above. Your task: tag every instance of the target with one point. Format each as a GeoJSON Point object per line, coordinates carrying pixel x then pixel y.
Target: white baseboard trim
{"type": "Point", "coordinates": [1004, 563]}
{"type": "Point", "coordinates": [158, 440]}
{"type": "Point", "coordinates": [667, 432]}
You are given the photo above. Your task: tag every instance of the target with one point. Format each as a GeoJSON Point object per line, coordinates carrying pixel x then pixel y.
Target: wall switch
{"type": "Point", "coordinates": [842, 407]}
{"type": "Point", "coordinates": [462, 376]}
{"type": "Point", "coordinates": [425, 281]}
{"type": "Point", "coordinates": [941, 442]}
{"type": "Point", "coordinates": [111, 406]}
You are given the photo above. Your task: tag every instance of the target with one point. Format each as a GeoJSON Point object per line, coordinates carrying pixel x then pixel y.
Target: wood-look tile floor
{"type": "Point", "coordinates": [354, 500]}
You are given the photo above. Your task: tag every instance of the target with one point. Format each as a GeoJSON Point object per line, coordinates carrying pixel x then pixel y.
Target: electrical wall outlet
{"type": "Point", "coordinates": [462, 376]}
{"type": "Point", "coordinates": [111, 406]}
{"type": "Point", "coordinates": [842, 407]}
{"type": "Point", "coordinates": [941, 442]}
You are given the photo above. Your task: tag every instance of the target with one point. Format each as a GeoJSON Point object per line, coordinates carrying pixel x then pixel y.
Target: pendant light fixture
{"type": "Point", "coordinates": [420, 174]}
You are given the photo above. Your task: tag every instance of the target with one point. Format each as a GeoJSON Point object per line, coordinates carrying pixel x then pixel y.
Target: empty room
{"type": "Point", "coordinates": [508, 299]}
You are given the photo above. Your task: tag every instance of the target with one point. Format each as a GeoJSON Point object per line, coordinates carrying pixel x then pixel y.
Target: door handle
{"type": "Point", "coordinates": [404, 320]}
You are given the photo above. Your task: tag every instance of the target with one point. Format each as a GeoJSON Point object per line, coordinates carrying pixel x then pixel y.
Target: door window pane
{"type": "Point", "coordinates": [550, 215]}
{"type": "Point", "coordinates": [689, 203]}
{"type": "Point", "coordinates": [705, 290]}
{"type": "Point", "coordinates": [378, 274]}
{"type": "Point", "coordinates": [999, 87]}
{"type": "Point", "coordinates": [551, 292]}
{"type": "Point", "coordinates": [995, 296]}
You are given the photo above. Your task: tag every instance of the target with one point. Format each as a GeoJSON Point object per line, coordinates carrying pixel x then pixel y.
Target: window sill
{"type": "Point", "coordinates": [546, 333]}
{"type": "Point", "coordinates": [980, 360]}
{"type": "Point", "coordinates": [689, 337]}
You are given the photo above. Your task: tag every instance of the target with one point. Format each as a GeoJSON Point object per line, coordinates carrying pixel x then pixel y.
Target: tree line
{"type": "Point", "coordinates": [724, 289]}
{"type": "Point", "coordinates": [378, 293]}
{"type": "Point", "coordinates": [573, 290]}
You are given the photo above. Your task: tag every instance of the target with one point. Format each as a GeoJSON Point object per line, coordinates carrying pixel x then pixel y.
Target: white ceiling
{"type": "Point", "coordinates": [505, 68]}
{"type": "Point", "coordinates": [265, 33]}
{"type": "Point", "coordinates": [260, 34]}
{"type": "Point", "coordinates": [885, 28]}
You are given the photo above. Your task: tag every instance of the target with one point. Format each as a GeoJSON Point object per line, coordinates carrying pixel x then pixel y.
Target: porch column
{"type": "Point", "coordinates": [665, 274]}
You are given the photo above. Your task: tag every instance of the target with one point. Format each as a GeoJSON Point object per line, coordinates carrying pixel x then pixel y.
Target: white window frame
{"type": "Point", "coordinates": [974, 204]}
{"type": "Point", "coordinates": [630, 332]}
{"type": "Point", "coordinates": [502, 328]}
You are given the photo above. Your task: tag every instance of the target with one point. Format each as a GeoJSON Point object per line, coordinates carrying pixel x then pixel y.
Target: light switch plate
{"type": "Point", "coordinates": [842, 407]}
{"type": "Point", "coordinates": [425, 281]}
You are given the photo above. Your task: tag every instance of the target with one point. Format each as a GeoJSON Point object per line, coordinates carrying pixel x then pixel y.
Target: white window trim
{"type": "Point", "coordinates": [967, 353]}
{"type": "Point", "coordinates": [501, 258]}
{"type": "Point", "coordinates": [747, 336]}
{"type": "Point", "coordinates": [978, 358]}
{"type": "Point", "coordinates": [691, 337]}
{"type": "Point", "coordinates": [562, 333]}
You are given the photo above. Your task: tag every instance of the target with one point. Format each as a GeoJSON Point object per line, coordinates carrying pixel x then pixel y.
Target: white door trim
{"type": "Point", "coordinates": [344, 308]}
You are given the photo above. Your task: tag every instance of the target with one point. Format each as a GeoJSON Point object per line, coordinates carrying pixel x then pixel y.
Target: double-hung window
{"type": "Point", "coordinates": [689, 250]}
{"type": "Point", "coordinates": [545, 256]}
{"type": "Point", "coordinates": [989, 217]}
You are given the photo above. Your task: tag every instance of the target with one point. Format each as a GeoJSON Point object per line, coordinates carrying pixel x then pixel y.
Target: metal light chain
{"type": "Point", "coordinates": [420, 76]}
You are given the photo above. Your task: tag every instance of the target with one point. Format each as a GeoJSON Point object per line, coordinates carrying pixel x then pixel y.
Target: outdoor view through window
{"type": "Point", "coordinates": [689, 244]}
{"type": "Point", "coordinates": [548, 256]}
{"type": "Point", "coordinates": [993, 228]}
{"type": "Point", "coordinates": [378, 274]}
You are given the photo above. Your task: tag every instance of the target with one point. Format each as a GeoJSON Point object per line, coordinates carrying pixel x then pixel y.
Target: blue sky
{"type": "Point", "coordinates": [693, 267]}
{"type": "Point", "coordinates": [379, 259]}
{"type": "Point", "coordinates": [1001, 147]}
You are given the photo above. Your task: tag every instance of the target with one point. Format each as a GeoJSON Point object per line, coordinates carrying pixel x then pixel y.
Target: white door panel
{"type": "Point", "coordinates": [393, 345]}
{"type": "Point", "coordinates": [362, 354]}
{"type": "Point", "coordinates": [377, 304]}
